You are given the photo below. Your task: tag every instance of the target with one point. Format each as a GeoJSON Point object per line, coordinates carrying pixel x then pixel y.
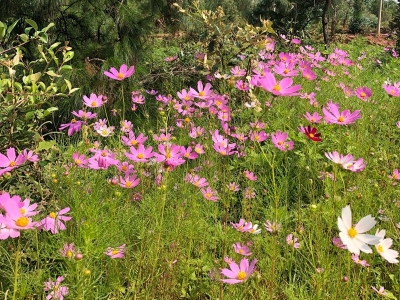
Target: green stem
{"type": "Point", "coordinates": [16, 268]}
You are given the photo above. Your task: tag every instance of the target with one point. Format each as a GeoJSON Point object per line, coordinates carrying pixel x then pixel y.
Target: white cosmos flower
{"type": "Point", "coordinates": [383, 248]}
{"type": "Point", "coordinates": [353, 236]}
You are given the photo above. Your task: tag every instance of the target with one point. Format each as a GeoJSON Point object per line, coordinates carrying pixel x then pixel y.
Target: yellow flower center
{"type": "Point", "coordinates": [115, 252]}
{"type": "Point", "coordinates": [352, 232]}
{"type": "Point", "coordinates": [78, 161]}
{"type": "Point", "coordinates": [53, 215]}
{"type": "Point", "coordinates": [140, 155]}
{"type": "Point", "coordinates": [186, 98]}
{"type": "Point", "coordinates": [379, 248]}
{"type": "Point", "coordinates": [120, 75]}
{"type": "Point", "coordinates": [208, 195]}
{"type": "Point", "coordinates": [73, 121]}
{"type": "Point", "coordinates": [313, 120]}
{"type": "Point", "coordinates": [285, 71]}
{"type": "Point", "coordinates": [128, 184]}
{"type": "Point", "coordinates": [186, 120]}
{"type": "Point", "coordinates": [22, 221]}
{"type": "Point", "coordinates": [103, 153]}
{"type": "Point", "coordinates": [124, 168]}
{"type": "Point", "coordinates": [362, 94]}
{"type": "Point", "coordinates": [133, 142]}
{"type": "Point", "coordinates": [22, 211]}
{"type": "Point", "coordinates": [201, 94]}
{"type": "Point", "coordinates": [104, 132]}
{"type": "Point", "coordinates": [341, 119]}
{"type": "Point", "coordinates": [277, 88]}
{"type": "Point", "coordinates": [241, 275]}
{"type": "Point", "coordinates": [167, 154]}
{"type": "Point", "coordinates": [311, 135]}
{"type": "Point", "coordinates": [69, 253]}
{"type": "Point", "coordinates": [12, 164]}
{"type": "Point", "coordinates": [308, 76]}
{"type": "Point", "coordinates": [93, 104]}
{"type": "Point", "coordinates": [280, 143]}
{"type": "Point", "coordinates": [241, 251]}
{"type": "Point", "coordinates": [395, 176]}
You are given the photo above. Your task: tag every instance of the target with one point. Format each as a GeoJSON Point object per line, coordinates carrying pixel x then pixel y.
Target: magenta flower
{"type": "Point", "coordinates": [391, 90]}
{"type": "Point", "coordinates": [292, 241]}
{"type": "Point", "coordinates": [11, 161]}
{"type": "Point", "coordinates": [129, 182]}
{"type": "Point", "coordinates": [238, 274]}
{"type": "Point", "coordinates": [54, 221]}
{"type": "Point", "coordinates": [332, 115]}
{"type": "Point", "coordinates": [363, 93]}
{"type": "Point", "coordinates": [93, 100]}
{"type": "Point", "coordinates": [56, 290]}
{"type": "Point", "coordinates": [116, 252]}
{"type": "Point", "coordinates": [80, 160]}
{"type": "Point", "coordinates": [241, 249]}
{"type": "Point", "coordinates": [279, 141]}
{"type": "Point", "coordinates": [258, 136]}
{"type": "Point", "coordinates": [338, 243]}
{"type": "Point", "coordinates": [15, 218]}
{"type": "Point", "coordinates": [123, 72]}
{"type": "Point", "coordinates": [84, 115]}
{"type": "Point", "coordinates": [196, 180]}
{"type": "Point", "coordinates": [73, 126]}
{"type": "Point", "coordinates": [204, 92]}
{"type": "Point", "coordinates": [282, 88]}
{"type": "Point", "coordinates": [141, 154]}
{"type": "Point", "coordinates": [30, 156]}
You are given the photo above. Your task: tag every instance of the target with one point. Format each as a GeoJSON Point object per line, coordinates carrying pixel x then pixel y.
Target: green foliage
{"type": "Point", "coordinates": [29, 89]}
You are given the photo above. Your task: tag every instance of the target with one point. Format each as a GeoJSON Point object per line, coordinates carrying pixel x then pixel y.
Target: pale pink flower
{"type": "Point", "coordinates": [272, 227]}
{"type": "Point", "coordinates": [117, 252]}
{"type": "Point", "coordinates": [314, 118]}
{"type": "Point", "coordinates": [93, 100]}
{"type": "Point", "coordinates": [381, 291]}
{"type": "Point", "coordinates": [279, 141]}
{"type": "Point", "coordinates": [11, 161]}
{"type": "Point", "coordinates": [282, 88]}
{"type": "Point", "coordinates": [56, 290]}
{"type": "Point", "coordinates": [357, 260]}
{"type": "Point", "coordinates": [242, 226]}
{"type": "Point", "coordinates": [332, 115]}
{"type": "Point", "coordinates": [292, 241]}
{"type": "Point", "coordinates": [209, 194]}
{"type": "Point", "coordinates": [250, 175]}
{"type": "Point", "coordinates": [241, 249]}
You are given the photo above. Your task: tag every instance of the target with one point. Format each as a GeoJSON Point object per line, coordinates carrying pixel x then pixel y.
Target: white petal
{"type": "Point", "coordinates": [346, 240]}
{"type": "Point", "coordinates": [369, 239]}
{"type": "Point", "coordinates": [390, 255]}
{"type": "Point", "coordinates": [341, 225]}
{"type": "Point", "coordinates": [365, 224]}
{"type": "Point", "coordinates": [346, 216]}
{"type": "Point", "coordinates": [381, 233]}
{"type": "Point", "coordinates": [362, 246]}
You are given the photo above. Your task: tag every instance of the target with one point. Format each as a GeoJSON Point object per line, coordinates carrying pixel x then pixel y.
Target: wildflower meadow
{"type": "Point", "coordinates": [273, 174]}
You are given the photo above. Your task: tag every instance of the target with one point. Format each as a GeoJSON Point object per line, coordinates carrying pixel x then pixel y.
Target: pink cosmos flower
{"type": "Point", "coordinates": [358, 261]}
{"type": "Point", "coordinates": [141, 154]}
{"type": "Point", "coordinates": [241, 249]}
{"type": "Point", "coordinates": [80, 160]}
{"type": "Point", "coordinates": [54, 221]}
{"type": "Point", "coordinates": [204, 92]}
{"type": "Point", "coordinates": [332, 115]}
{"type": "Point", "coordinates": [185, 95]}
{"type": "Point", "coordinates": [314, 118]}
{"type": "Point", "coordinates": [132, 140]}
{"type": "Point", "coordinates": [395, 175]}
{"type": "Point", "coordinates": [196, 180]}
{"type": "Point", "coordinates": [292, 241]}
{"type": "Point", "coordinates": [30, 156]}
{"type": "Point", "coordinates": [14, 219]}
{"type": "Point", "coordinates": [93, 100]}
{"type": "Point", "coordinates": [68, 251]}
{"type": "Point", "coordinates": [11, 161]}
{"type": "Point", "coordinates": [391, 90]}
{"type": "Point", "coordinates": [363, 93]}
{"type": "Point", "coordinates": [242, 85]}
{"type": "Point", "coordinates": [272, 227]}
{"type": "Point", "coordinates": [242, 226]}
{"type": "Point", "coordinates": [84, 115]}
{"type": "Point", "coordinates": [258, 136]}
{"type": "Point", "coordinates": [282, 88]}
{"type": "Point", "coordinates": [116, 252]}
{"type": "Point", "coordinates": [338, 243]}
{"type": "Point", "coordinates": [73, 126]}
{"type": "Point", "coordinates": [233, 187]}
{"type": "Point", "coordinates": [209, 194]}
{"type": "Point", "coordinates": [129, 182]}
{"type": "Point", "coordinates": [237, 72]}
{"type": "Point", "coordinates": [279, 141]}
{"type": "Point", "coordinates": [250, 175]}
{"type": "Point", "coordinates": [238, 274]}
{"type": "Point", "coordinates": [309, 74]}
{"type": "Point", "coordinates": [123, 72]}
{"type": "Point", "coordinates": [56, 290]}
{"type": "Point", "coordinates": [381, 291]}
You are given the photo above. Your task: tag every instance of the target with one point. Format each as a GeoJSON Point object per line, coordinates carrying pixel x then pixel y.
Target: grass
{"type": "Point", "coordinates": [176, 240]}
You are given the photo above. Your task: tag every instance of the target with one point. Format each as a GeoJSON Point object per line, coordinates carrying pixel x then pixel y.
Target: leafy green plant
{"type": "Point", "coordinates": [32, 79]}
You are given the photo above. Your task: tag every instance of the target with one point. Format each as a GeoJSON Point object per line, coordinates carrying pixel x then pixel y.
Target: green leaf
{"type": "Point", "coordinates": [11, 27]}
{"type": "Point", "coordinates": [66, 67]}
{"type": "Point", "coordinates": [68, 56]}
{"type": "Point", "coordinates": [32, 23]}
{"type": "Point", "coordinates": [69, 85]}
{"type": "Point", "coordinates": [52, 74]}
{"type": "Point", "coordinates": [46, 145]}
{"type": "Point", "coordinates": [55, 45]}
{"type": "Point", "coordinates": [48, 27]}
{"type": "Point", "coordinates": [35, 77]}
{"type": "Point", "coordinates": [24, 37]}
{"type": "Point", "coordinates": [2, 30]}
{"type": "Point", "coordinates": [30, 115]}
{"type": "Point", "coordinates": [74, 90]}
{"type": "Point", "coordinates": [49, 111]}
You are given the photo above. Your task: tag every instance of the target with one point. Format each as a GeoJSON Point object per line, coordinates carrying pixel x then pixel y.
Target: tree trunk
{"type": "Point", "coordinates": [325, 21]}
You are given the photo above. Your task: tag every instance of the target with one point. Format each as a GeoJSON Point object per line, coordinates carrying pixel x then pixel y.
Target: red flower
{"type": "Point", "coordinates": [311, 133]}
